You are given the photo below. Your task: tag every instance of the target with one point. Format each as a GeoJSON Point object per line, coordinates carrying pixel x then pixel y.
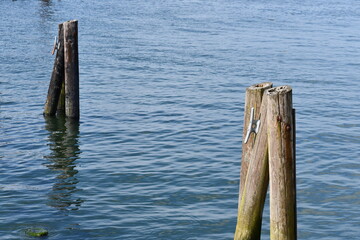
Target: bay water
{"type": "Point", "coordinates": [156, 154]}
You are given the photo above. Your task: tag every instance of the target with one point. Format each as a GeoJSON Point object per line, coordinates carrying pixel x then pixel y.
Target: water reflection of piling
{"type": "Point", "coordinates": [64, 146]}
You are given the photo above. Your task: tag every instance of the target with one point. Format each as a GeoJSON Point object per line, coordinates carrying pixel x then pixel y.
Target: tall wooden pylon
{"type": "Point", "coordinates": [72, 101]}
{"type": "Point", "coordinates": [254, 165]}
{"type": "Point", "coordinates": [281, 163]}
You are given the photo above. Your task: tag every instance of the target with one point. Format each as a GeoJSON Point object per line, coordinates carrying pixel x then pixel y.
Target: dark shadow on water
{"type": "Point", "coordinates": [64, 145]}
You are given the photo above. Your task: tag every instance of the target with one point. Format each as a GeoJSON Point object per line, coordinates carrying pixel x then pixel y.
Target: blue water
{"type": "Point", "coordinates": [156, 154]}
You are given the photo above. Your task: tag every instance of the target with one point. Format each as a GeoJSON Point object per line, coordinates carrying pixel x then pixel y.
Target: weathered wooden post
{"type": "Point", "coordinates": [281, 163]}
{"type": "Point", "coordinates": [72, 103]}
{"type": "Point", "coordinates": [253, 98]}
{"type": "Point", "coordinates": [57, 77]}
{"type": "Point", "coordinates": [249, 223]}
{"type": "Point", "coordinates": [257, 180]}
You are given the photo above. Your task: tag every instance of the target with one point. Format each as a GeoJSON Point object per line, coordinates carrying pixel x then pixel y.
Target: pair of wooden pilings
{"type": "Point", "coordinates": [268, 156]}
{"type": "Point", "coordinates": [63, 93]}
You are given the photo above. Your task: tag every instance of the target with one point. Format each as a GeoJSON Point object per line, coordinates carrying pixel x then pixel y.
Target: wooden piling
{"type": "Point", "coordinates": [253, 98]}
{"type": "Point", "coordinates": [72, 103]}
{"type": "Point", "coordinates": [281, 163]}
{"type": "Point", "coordinates": [57, 77]}
{"type": "Point", "coordinates": [255, 188]}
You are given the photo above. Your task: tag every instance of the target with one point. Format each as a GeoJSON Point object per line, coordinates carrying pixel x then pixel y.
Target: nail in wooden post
{"type": "Point", "coordinates": [281, 163]}
{"type": "Point", "coordinates": [57, 78]}
{"type": "Point", "coordinates": [72, 108]}
{"type": "Point", "coordinates": [253, 99]}
{"type": "Point", "coordinates": [257, 181]}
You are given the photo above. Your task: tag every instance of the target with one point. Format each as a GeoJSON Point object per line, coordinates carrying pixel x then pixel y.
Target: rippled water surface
{"type": "Point", "coordinates": [156, 154]}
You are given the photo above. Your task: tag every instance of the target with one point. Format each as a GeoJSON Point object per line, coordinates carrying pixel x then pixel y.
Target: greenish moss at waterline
{"type": "Point", "coordinates": [36, 232]}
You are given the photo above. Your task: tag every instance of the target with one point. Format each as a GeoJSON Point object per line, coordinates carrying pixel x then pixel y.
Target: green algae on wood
{"type": "Point", "coordinates": [36, 232]}
{"type": "Point", "coordinates": [61, 104]}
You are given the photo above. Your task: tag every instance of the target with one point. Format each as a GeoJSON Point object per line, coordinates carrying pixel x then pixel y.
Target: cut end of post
{"type": "Point", "coordinates": [279, 90]}
{"type": "Point", "coordinates": [71, 21]}
{"type": "Point", "coordinates": [261, 86]}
